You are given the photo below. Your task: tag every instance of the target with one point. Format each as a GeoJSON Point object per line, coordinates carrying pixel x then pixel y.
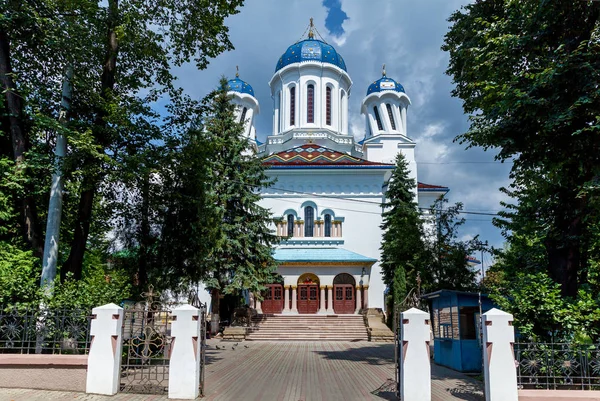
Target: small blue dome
{"type": "Point", "coordinates": [385, 84]}
{"type": "Point", "coordinates": [310, 50]}
{"type": "Point", "coordinates": [237, 85]}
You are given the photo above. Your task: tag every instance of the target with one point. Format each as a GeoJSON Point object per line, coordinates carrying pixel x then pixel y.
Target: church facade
{"type": "Point", "coordinates": [329, 187]}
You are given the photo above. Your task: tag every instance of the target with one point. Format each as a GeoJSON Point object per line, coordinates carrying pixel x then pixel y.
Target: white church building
{"type": "Point", "coordinates": [326, 201]}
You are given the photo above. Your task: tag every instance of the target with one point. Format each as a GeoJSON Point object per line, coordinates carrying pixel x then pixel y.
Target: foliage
{"type": "Point", "coordinates": [402, 245]}
{"type": "Point", "coordinates": [528, 72]}
{"type": "Point", "coordinates": [19, 274]}
{"type": "Point", "coordinates": [241, 257]}
{"type": "Point", "coordinates": [448, 267]}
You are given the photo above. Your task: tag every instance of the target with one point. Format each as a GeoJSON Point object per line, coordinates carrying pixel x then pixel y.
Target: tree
{"type": "Point", "coordinates": [448, 267]}
{"type": "Point", "coordinates": [528, 73]}
{"type": "Point", "coordinates": [402, 245]}
{"type": "Point", "coordinates": [242, 254]}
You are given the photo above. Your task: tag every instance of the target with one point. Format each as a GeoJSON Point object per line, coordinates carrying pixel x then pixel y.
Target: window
{"type": "Point", "coordinates": [293, 105]}
{"type": "Point", "coordinates": [469, 322]}
{"type": "Point", "coordinates": [328, 106]}
{"type": "Point", "coordinates": [391, 116]}
{"type": "Point", "coordinates": [309, 220]}
{"type": "Point", "coordinates": [379, 126]}
{"type": "Point", "coordinates": [279, 113]}
{"type": "Point", "coordinates": [243, 116]}
{"type": "Point", "coordinates": [328, 225]}
{"type": "Point", "coordinates": [290, 225]}
{"type": "Point", "coordinates": [310, 104]}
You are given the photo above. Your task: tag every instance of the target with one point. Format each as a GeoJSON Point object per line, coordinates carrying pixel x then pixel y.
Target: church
{"type": "Point", "coordinates": [326, 201]}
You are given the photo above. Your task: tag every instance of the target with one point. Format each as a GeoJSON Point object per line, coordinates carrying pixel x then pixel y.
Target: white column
{"type": "Point", "coordinates": [104, 359]}
{"type": "Point", "coordinates": [415, 368]}
{"type": "Point", "coordinates": [366, 296]}
{"type": "Point", "coordinates": [358, 299]}
{"type": "Point", "coordinates": [499, 367]}
{"type": "Point", "coordinates": [184, 358]}
{"type": "Point", "coordinates": [330, 299]}
{"type": "Point", "coordinates": [294, 300]}
{"type": "Point", "coordinates": [322, 309]}
{"type": "Point", "coordinates": [258, 306]}
{"type": "Point", "coordinates": [286, 299]}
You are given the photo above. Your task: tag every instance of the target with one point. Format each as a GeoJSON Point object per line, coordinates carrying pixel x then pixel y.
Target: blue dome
{"type": "Point", "coordinates": [385, 84]}
{"type": "Point", "coordinates": [310, 50]}
{"type": "Point", "coordinates": [237, 85]}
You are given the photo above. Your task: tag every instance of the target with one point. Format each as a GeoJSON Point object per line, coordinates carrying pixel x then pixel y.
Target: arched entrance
{"type": "Point", "coordinates": [273, 299]}
{"type": "Point", "coordinates": [344, 294]}
{"type": "Point", "coordinates": [308, 293]}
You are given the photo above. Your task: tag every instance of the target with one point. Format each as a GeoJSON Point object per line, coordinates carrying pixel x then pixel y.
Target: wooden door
{"type": "Point", "coordinates": [273, 302]}
{"type": "Point", "coordinates": [343, 299]}
{"type": "Point", "coordinates": [308, 298]}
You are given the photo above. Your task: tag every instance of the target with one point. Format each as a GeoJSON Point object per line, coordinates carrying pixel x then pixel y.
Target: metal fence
{"type": "Point", "coordinates": [558, 366]}
{"type": "Point", "coordinates": [44, 330]}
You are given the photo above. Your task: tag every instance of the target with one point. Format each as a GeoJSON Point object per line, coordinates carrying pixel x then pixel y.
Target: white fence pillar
{"type": "Point", "coordinates": [104, 359]}
{"type": "Point", "coordinates": [184, 362]}
{"type": "Point", "coordinates": [415, 368]}
{"type": "Point", "coordinates": [499, 366]}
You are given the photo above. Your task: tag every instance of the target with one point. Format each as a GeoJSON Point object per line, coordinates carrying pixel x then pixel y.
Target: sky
{"type": "Point", "coordinates": [406, 35]}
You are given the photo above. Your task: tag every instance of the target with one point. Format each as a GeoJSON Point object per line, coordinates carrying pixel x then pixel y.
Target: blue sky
{"type": "Point", "coordinates": [406, 35]}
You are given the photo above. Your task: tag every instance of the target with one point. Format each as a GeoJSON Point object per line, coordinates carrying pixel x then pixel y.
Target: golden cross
{"type": "Point", "coordinates": [311, 34]}
{"type": "Point", "coordinates": [383, 70]}
{"type": "Point", "coordinates": [237, 71]}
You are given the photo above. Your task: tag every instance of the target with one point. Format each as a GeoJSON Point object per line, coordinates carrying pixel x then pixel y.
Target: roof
{"type": "Point", "coordinates": [439, 293]}
{"type": "Point", "coordinates": [237, 85]}
{"type": "Point", "coordinates": [310, 50]}
{"type": "Point", "coordinates": [313, 155]}
{"type": "Point", "coordinates": [384, 84]}
{"type": "Point", "coordinates": [431, 188]}
{"type": "Point", "coordinates": [288, 255]}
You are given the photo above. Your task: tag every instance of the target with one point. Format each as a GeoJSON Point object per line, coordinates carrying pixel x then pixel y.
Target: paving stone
{"type": "Point", "coordinates": [293, 371]}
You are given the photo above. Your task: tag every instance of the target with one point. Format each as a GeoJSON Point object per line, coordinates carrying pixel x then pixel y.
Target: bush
{"type": "Point", "coordinates": [19, 276]}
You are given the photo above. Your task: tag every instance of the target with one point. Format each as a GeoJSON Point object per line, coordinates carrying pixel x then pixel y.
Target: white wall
{"type": "Point", "coordinates": [360, 229]}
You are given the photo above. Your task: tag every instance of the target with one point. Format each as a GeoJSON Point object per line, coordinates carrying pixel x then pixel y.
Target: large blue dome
{"type": "Point", "coordinates": [384, 84]}
{"type": "Point", "coordinates": [310, 50]}
{"type": "Point", "coordinates": [237, 85]}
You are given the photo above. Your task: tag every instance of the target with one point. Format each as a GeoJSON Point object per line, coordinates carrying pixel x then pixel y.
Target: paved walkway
{"type": "Point", "coordinates": [294, 371]}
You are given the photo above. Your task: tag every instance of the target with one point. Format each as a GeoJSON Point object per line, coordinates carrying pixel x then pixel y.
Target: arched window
{"type": "Point", "coordinates": [279, 112]}
{"type": "Point", "coordinates": [290, 225]}
{"type": "Point", "coordinates": [310, 104]}
{"type": "Point", "coordinates": [328, 106]}
{"type": "Point", "coordinates": [379, 126]}
{"type": "Point", "coordinates": [243, 116]}
{"type": "Point", "coordinates": [293, 105]}
{"type": "Point", "coordinates": [391, 116]}
{"type": "Point", "coordinates": [309, 221]}
{"type": "Point", "coordinates": [328, 225]}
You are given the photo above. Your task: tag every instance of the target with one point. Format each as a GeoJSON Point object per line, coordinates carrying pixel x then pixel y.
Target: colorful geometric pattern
{"type": "Point", "coordinates": [433, 188]}
{"type": "Point", "coordinates": [315, 155]}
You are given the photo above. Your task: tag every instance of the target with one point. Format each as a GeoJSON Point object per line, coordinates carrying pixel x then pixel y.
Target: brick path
{"type": "Point", "coordinates": [293, 371]}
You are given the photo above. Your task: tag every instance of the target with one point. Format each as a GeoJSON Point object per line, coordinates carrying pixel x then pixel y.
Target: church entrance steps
{"type": "Point", "coordinates": [308, 328]}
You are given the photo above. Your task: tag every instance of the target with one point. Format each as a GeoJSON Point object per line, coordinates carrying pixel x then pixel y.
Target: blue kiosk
{"type": "Point", "coordinates": [455, 322]}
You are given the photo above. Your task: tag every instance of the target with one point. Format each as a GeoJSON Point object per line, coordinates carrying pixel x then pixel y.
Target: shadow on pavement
{"type": "Point", "coordinates": [373, 355]}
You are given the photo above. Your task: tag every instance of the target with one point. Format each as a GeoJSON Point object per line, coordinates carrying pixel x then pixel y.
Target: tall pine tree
{"type": "Point", "coordinates": [402, 244]}
{"type": "Point", "coordinates": [242, 256]}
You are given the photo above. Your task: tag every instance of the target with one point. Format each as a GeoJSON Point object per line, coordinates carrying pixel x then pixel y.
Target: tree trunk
{"type": "Point", "coordinates": [214, 309]}
{"type": "Point", "coordinates": [144, 233]}
{"type": "Point", "coordinates": [14, 108]}
{"type": "Point", "coordinates": [74, 263]}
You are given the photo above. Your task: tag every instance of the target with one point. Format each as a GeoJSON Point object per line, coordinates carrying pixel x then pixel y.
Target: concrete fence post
{"type": "Point", "coordinates": [104, 359]}
{"type": "Point", "coordinates": [500, 373]}
{"type": "Point", "coordinates": [184, 361]}
{"type": "Point", "coordinates": [415, 368]}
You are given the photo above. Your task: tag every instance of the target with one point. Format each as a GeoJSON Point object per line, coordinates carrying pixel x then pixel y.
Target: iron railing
{"type": "Point", "coordinates": [558, 366]}
{"type": "Point", "coordinates": [44, 330]}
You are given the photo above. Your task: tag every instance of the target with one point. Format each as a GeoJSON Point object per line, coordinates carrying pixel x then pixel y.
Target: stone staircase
{"type": "Point", "coordinates": [308, 328]}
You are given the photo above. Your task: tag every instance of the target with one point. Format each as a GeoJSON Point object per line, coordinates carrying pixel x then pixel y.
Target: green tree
{"type": "Point", "coordinates": [402, 245]}
{"type": "Point", "coordinates": [241, 257]}
{"type": "Point", "coordinates": [528, 73]}
{"type": "Point", "coordinates": [448, 267]}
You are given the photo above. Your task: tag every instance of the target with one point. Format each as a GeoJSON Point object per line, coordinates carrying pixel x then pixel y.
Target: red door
{"type": "Point", "coordinates": [308, 298]}
{"type": "Point", "coordinates": [343, 298]}
{"type": "Point", "coordinates": [273, 302]}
